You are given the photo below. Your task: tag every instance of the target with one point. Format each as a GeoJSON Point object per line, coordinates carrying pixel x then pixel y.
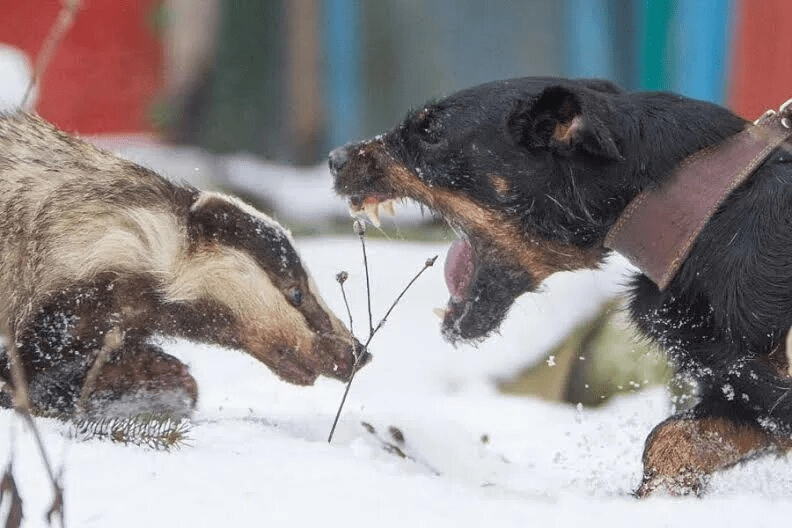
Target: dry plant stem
{"type": "Point", "coordinates": [341, 278]}
{"type": "Point", "coordinates": [113, 339]}
{"type": "Point", "coordinates": [22, 407]}
{"type": "Point", "coordinates": [368, 287]}
{"type": "Point", "coordinates": [21, 396]}
{"type": "Point", "coordinates": [58, 30]}
{"type": "Point", "coordinates": [429, 263]}
{"type": "Point", "coordinates": [8, 488]}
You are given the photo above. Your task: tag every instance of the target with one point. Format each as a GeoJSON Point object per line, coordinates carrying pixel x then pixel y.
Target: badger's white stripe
{"type": "Point", "coordinates": [233, 278]}
{"type": "Point", "coordinates": [133, 240]}
{"type": "Point", "coordinates": [140, 239]}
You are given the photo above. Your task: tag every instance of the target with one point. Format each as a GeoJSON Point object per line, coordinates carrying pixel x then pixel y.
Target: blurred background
{"type": "Point", "coordinates": [290, 79]}
{"type": "Point", "coordinates": [249, 96]}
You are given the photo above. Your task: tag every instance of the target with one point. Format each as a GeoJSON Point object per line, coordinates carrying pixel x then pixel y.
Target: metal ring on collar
{"type": "Point", "coordinates": [768, 113]}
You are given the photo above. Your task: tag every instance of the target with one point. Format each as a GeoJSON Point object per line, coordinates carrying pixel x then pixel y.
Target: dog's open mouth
{"type": "Point", "coordinates": [481, 289]}
{"type": "Point", "coordinates": [372, 206]}
{"type": "Point", "coordinates": [481, 270]}
{"type": "Point", "coordinates": [460, 264]}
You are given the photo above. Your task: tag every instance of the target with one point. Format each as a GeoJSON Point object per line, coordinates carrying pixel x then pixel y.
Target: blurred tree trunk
{"type": "Point", "coordinates": [305, 112]}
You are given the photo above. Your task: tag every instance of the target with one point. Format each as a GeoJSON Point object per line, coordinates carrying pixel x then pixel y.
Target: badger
{"type": "Point", "coordinates": [93, 246]}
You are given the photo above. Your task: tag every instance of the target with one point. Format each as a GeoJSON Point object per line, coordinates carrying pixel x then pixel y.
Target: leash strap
{"type": "Point", "coordinates": [657, 229]}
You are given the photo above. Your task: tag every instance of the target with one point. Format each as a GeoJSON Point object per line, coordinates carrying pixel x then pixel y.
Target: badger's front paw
{"type": "Point", "coordinates": [141, 379]}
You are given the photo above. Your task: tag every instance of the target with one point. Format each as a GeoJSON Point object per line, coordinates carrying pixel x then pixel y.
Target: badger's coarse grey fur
{"type": "Point", "coordinates": [90, 243]}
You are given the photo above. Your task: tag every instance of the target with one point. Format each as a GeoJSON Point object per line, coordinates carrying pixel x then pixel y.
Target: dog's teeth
{"type": "Point", "coordinates": [388, 207]}
{"type": "Point", "coordinates": [440, 312]}
{"type": "Point", "coordinates": [372, 211]}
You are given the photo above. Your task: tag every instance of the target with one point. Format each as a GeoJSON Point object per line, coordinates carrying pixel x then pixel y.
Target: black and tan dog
{"type": "Point", "coordinates": [533, 173]}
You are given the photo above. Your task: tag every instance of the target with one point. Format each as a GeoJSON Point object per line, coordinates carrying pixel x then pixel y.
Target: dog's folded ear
{"type": "Point", "coordinates": [558, 120]}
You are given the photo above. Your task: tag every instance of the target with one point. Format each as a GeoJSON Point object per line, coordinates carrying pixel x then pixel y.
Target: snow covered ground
{"type": "Point", "coordinates": [258, 452]}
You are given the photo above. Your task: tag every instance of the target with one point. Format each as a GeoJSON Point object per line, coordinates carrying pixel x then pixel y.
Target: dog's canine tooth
{"type": "Point", "coordinates": [372, 211]}
{"type": "Point", "coordinates": [388, 207]}
{"type": "Point", "coordinates": [440, 312]}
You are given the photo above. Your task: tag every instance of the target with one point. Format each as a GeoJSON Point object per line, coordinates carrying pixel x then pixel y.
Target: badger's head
{"type": "Point", "coordinates": [242, 265]}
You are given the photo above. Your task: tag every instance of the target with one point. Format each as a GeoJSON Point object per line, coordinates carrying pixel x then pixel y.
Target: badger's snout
{"type": "Point", "coordinates": [340, 358]}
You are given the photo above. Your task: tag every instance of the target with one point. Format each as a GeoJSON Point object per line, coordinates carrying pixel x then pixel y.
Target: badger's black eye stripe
{"type": "Point", "coordinates": [267, 243]}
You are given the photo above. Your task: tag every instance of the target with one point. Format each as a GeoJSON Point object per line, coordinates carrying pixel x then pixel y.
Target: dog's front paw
{"type": "Point", "coordinates": [681, 452]}
{"type": "Point", "coordinates": [683, 481]}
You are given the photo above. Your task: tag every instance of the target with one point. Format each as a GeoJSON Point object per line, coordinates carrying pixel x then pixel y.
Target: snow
{"type": "Point", "coordinates": [258, 451]}
{"type": "Point", "coordinates": [258, 454]}
{"type": "Point", "coordinates": [16, 70]}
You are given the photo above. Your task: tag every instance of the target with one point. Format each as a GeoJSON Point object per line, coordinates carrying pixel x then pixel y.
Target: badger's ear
{"type": "Point", "coordinates": [557, 120]}
{"type": "Point", "coordinates": [216, 218]}
{"type": "Point", "coordinates": [211, 218]}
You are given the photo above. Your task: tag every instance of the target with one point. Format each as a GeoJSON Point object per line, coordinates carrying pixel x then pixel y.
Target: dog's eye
{"type": "Point", "coordinates": [295, 295]}
{"type": "Point", "coordinates": [428, 127]}
{"type": "Point", "coordinates": [431, 131]}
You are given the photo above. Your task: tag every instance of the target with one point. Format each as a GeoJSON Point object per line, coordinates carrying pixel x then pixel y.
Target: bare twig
{"type": "Point", "coordinates": [23, 409]}
{"type": "Point", "coordinates": [428, 264]}
{"type": "Point", "coordinates": [57, 500]}
{"type": "Point", "coordinates": [360, 229]}
{"type": "Point", "coordinates": [8, 487]}
{"type": "Point", "coordinates": [113, 340]}
{"type": "Point", "coordinates": [341, 278]}
{"type": "Point", "coordinates": [21, 394]}
{"type": "Point", "coordinates": [372, 330]}
{"type": "Point", "coordinates": [58, 30]}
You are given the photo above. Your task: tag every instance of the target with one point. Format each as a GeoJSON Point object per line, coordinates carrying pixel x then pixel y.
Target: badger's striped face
{"type": "Point", "coordinates": [247, 263]}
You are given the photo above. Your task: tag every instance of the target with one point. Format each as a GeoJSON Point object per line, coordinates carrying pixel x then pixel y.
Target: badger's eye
{"type": "Point", "coordinates": [295, 295]}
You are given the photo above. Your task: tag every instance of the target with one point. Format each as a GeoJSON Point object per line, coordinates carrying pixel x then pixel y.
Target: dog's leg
{"type": "Point", "coordinates": [684, 450]}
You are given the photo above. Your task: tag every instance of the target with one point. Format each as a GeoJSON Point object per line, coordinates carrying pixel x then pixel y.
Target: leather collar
{"type": "Point", "coordinates": [657, 229]}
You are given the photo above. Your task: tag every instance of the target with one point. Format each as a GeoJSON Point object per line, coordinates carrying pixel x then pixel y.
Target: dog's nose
{"type": "Point", "coordinates": [338, 159]}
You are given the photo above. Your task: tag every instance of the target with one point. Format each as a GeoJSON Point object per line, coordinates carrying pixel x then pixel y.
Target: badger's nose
{"type": "Point", "coordinates": [363, 359]}
{"type": "Point", "coordinates": [338, 159]}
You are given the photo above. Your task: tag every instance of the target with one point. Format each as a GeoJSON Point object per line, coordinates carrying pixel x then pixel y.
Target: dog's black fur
{"type": "Point", "coordinates": [535, 172]}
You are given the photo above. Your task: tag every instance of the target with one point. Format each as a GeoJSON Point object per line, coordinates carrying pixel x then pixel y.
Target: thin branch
{"type": "Point", "coordinates": [360, 228]}
{"type": "Point", "coordinates": [341, 278]}
{"type": "Point", "coordinates": [428, 264]}
{"type": "Point", "coordinates": [372, 331]}
{"type": "Point", "coordinates": [21, 395]}
{"type": "Point", "coordinates": [23, 408]}
{"type": "Point", "coordinates": [8, 487]}
{"type": "Point", "coordinates": [58, 30]}
{"type": "Point", "coordinates": [113, 340]}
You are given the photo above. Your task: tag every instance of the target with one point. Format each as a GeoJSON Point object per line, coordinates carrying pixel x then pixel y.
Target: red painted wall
{"type": "Point", "coordinates": [762, 66]}
{"type": "Point", "coordinates": [108, 69]}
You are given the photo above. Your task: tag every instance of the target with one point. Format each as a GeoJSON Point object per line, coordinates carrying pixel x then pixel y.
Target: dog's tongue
{"type": "Point", "coordinates": [459, 267]}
